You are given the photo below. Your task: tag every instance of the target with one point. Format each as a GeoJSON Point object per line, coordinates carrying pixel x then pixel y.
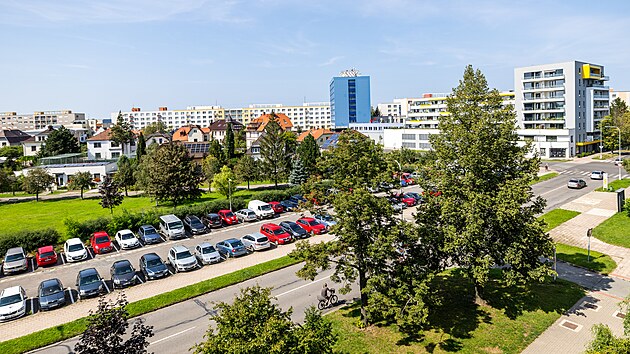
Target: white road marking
{"type": "Point", "coordinates": [32, 306]}
{"type": "Point", "coordinates": [115, 247]}
{"type": "Point", "coordinates": [302, 286]}
{"type": "Point", "coordinates": [63, 258]}
{"type": "Point", "coordinates": [90, 252]}
{"type": "Point", "coordinates": [173, 335]}
{"type": "Point", "coordinates": [140, 280]}
{"type": "Point", "coordinates": [32, 265]}
{"type": "Point", "coordinates": [71, 297]}
{"type": "Point", "coordinates": [105, 284]}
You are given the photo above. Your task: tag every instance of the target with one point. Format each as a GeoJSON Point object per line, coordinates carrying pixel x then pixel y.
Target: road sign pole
{"type": "Point", "coordinates": [589, 233]}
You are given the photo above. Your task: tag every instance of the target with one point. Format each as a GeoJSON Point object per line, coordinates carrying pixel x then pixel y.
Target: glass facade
{"type": "Point", "coordinates": [350, 100]}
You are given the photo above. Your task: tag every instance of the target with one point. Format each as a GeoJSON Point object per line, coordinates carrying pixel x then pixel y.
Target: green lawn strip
{"type": "Point", "coordinates": [614, 230]}
{"type": "Point", "coordinates": [76, 327]}
{"type": "Point", "coordinates": [512, 319]}
{"type": "Point", "coordinates": [614, 185]}
{"type": "Point", "coordinates": [556, 217]}
{"type": "Point", "coordinates": [578, 256]}
{"type": "Point", "coordinates": [604, 156]}
{"type": "Point", "coordinates": [545, 177]}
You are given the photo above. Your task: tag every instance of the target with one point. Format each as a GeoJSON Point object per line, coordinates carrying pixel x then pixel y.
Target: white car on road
{"type": "Point", "coordinates": [75, 250]}
{"type": "Point", "coordinates": [597, 175]}
{"type": "Point", "coordinates": [12, 303]}
{"type": "Point", "coordinates": [127, 239]}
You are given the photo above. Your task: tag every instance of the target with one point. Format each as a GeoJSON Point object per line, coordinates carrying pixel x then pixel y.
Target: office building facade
{"type": "Point", "coordinates": [350, 99]}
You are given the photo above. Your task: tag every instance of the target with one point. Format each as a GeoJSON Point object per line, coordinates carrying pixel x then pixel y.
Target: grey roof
{"type": "Point", "coordinates": [221, 124]}
{"type": "Point", "coordinates": [14, 136]}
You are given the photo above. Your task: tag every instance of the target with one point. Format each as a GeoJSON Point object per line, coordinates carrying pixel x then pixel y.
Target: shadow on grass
{"type": "Point", "coordinates": [581, 260]}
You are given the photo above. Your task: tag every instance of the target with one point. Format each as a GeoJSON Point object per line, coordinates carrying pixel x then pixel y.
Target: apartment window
{"type": "Point", "coordinates": [115, 155]}
{"type": "Point", "coordinates": [97, 156]}
{"type": "Point", "coordinates": [551, 138]}
{"type": "Point", "coordinates": [409, 145]}
{"type": "Point", "coordinates": [543, 151]}
{"type": "Point", "coordinates": [97, 145]}
{"type": "Point", "coordinates": [409, 137]}
{"type": "Point", "coordinates": [33, 148]}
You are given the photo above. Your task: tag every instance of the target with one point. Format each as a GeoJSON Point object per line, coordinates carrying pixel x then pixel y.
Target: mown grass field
{"type": "Point", "coordinates": [615, 230]}
{"type": "Point", "coordinates": [557, 216]}
{"type": "Point", "coordinates": [614, 185]}
{"type": "Point", "coordinates": [545, 177]}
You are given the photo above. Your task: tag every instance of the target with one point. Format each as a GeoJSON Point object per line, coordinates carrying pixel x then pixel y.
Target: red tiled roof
{"type": "Point", "coordinates": [105, 135]}
{"type": "Point", "coordinates": [316, 133]}
{"type": "Point", "coordinates": [282, 119]}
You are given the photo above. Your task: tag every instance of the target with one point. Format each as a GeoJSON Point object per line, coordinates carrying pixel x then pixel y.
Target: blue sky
{"type": "Point", "coordinates": [103, 56]}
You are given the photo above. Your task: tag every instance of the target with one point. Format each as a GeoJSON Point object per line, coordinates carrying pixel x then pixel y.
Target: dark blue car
{"type": "Point", "coordinates": [288, 205]}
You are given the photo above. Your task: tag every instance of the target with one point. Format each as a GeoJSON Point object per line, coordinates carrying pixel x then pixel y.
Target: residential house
{"type": "Point", "coordinates": [192, 134]}
{"type": "Point", "coordinates": [157, 138]}
{"type": "Point", "coordinates": [33, 145]}
{"type": "Point", "coordinates": [12, 137]}
{"type": "Point", "coordinates": [218, 129]}
{"type": "Point", "coordinates": [256, 128]}
{"type": "Point", "coordinates": [101, 147]}
{"type": "Point", "coordinates": [63, 172]}
{"type": "Point", "coordinates": [320, 135]}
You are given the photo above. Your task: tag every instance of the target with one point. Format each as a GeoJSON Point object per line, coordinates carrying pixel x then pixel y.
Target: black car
{"type": "Point", "coordinates": [51, 294]}
{"type": "Point", "coordinates": [148, 234]}
{"type": "Point", "coordinates": [288, 205]}
{"type": "Point", "coordinates": [89, 283]}
{"type": "Point", "coordinates": [212, 220]}
{"type": "Point", "coordinates": [123, 274]}
{"type": "Point", "coordinates": [295, 230]}
{"type": "Point", "coordinates": [297, 199]}
{"type": "Point", "coordinates": [194, 225]}
{"type": "Point", "coordinates": [152, 266]}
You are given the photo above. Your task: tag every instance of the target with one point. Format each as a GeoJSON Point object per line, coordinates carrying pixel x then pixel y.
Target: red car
{"type": "Point", "coordinates": [101, 243]}
{"type": "Point", "coordinates": [277, 208]}
{"type": "Point", "coordinates": [228, 217]}
{"type": "Point", "coordinates": [46, 256]}
{"type": "Point", "coordinates": [312, 226]}
{"type": "Point", "coordinates": [275, 233]}
{"type": "Point", "coordinates": [408, 200]}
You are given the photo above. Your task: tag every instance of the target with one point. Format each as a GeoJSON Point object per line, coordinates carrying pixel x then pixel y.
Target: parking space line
{"type": "Point", "coordinates": [90, 252]}
{"type": "Point", "coordinates": [32, 305]}
{"type": "Point", "coordinates": [105, 284]}
{"type": "Point", "coordinates": [162, 237]}
{"type": "Point", "coordinates": [63, 258]}
{"type": "Point", "coordinates": [71, 297]}
{"type": "Point", "coordinates": [115, 247]}
{"type": "Point", "coordinates": [140, 280]}
{"type": "Point", "coordinates": [169, 270]}
{"type": "Point", "coordinates": [32, 265]}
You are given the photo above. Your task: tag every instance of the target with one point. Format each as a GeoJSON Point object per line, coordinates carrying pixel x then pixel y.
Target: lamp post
{"type": "Point", "coordinates": [230, 192]}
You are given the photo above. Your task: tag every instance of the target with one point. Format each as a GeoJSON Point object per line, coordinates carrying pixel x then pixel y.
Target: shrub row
{"type": "Point", "coordinates": [29, 240]}
{"type": "Point", "coordinates": [277, 195]}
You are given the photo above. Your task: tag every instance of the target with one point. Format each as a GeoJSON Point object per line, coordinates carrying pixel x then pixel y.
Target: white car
{"type": "Point", "coordinates": [75, 250]}
{"type": "Point", "coordinates": [597, 175]}
{"type": "Point", "coordinates": [246, 215]}
{"type": "Point", "coordinates": [207, 254]}
{"type": "Point", "coordinates": [325, 219]}
{"type": "Point", "coordinates": [181, 259]}
{"type": "Point", "coordinates": [256, 241]}
{"type": "Point", "coordinates": [12, 303]}
{"type": "Point", "coordinates": [127, 239]}
{"type": "Point", "coordinates": [618, 161]}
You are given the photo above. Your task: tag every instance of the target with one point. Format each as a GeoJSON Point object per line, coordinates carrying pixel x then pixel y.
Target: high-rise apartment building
{"type": "Point", "coordinates": [559, 107]}
{"type": "Point", "coordinates": [350, 99]}
{"type": "Point", "coordinates": [38, 120]}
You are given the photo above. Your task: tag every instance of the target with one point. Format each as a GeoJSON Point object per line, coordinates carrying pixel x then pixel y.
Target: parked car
{"type": "Point", "coordinates": [246, 215]}
{"type": "Point", "coordinates": [181, 259]}
{"type": "Point", "coordinates": [149, 235]}
{"type": "Point", "coordinates": [152, 266]}
{"type": "Point", "coordinates": [576, 183]}
{"type": "Point", "coordinates": [123, 274]}
{"type": "Point", "coordinates": [288, 205]}
{"type": "Point", "coordinates": [172, 227]}
{"type": "Point", "coordinates": [231, 248]}
{"type": "Point", "coordinates": [408, 200]}
{"type": "Point", "coordinates": [618, 161]}
{"type": "Point", "coordinates": [275, 233]}
{"type": "Point", "coordinates": [12, 303]}
{"type": "Point", "coordinates": [415, 196]}
{"type": "Point", "coordinates": [89, 283]}
{"type": "Point", "coordinates": [255, 242]}
{"type": "Point", "coordinates": [297, 199]}
{"type": "Point", "coordinates": [15, 261]}
{"type": "Point", "coordinates": [373, 189]}
{"type": "Point", "coordinates": [51, 294]}
{"type": "Point", "coordinates": [312, 226]}
{"type": "Point", "coordinates": [127, 240]}
{"type": "Point", "coordinates": [597, 175]}
{"type": "Point", "coordinates": [228, 217]}
{"type": "Point", "coordinates": [74, 250]}
{"type": "Point", "coordinates": [101, 243]}
{"type": "Point", "coordinates": [295, 230]}
{"type": "Point", "coordinates": [207, 254]}
{"type": "Point", "coordinates": [194, 225]}
{"type": "Point", "coordinates": [325, 219]}
{"type": "Point", "coordinates": [46, 256]}
{"type": "Point", "coordinates": [263, 210]}
{"type": "Point", "coordinates": [398, 206]}
{"type": "Point", "coordinates": [277, 207]}
{"type": "Point", "coordinates": [212, 220]}
{"type": "Point", "coordinates": [385, 186]}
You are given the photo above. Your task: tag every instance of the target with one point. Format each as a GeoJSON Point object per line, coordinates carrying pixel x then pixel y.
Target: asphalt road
{"type": "Point", "coordinates": [178, 327]}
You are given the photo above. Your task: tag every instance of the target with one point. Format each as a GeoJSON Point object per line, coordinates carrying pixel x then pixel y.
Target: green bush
{"type": "Point", "coordinates": [277, 195]}
{"type": "Point", "coordinates": [84, 229]}
{"type": "Point", "coordinates": [29, 240]}
{"type": "Point", "coordinates": [627, 207]}
{"type": "Point", "coordinates": [132, 221]}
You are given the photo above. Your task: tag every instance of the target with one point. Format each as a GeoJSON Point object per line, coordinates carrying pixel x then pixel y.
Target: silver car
{"type": "Point", "coordinates": [15, 261]}
{"type": "Point", "coordinates": [181, 259]}
{"type": "Point", "coordinates": [576, 183]}
{"type": "Point", "coordinates": [255, 241]}
{"type": "Point", "coordinates": [246, 215]}
{"type": "Point", "coordinates": [206, 253]}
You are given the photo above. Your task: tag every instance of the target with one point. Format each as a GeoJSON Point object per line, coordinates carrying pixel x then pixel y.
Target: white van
{"type": "Point", "coordinates": [263, 210]}
{"type": "Point", "coordinates": [172, 227]}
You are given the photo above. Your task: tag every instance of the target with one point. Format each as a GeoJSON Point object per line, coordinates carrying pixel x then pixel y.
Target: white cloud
{"type": "Point", "coordinates": [331, 61]}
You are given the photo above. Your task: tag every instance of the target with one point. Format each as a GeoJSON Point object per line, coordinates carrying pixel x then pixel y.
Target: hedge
{"type": "Point", "coordinates": [277, 195]}
{"type": "Point", "coordinates": [29, 240]}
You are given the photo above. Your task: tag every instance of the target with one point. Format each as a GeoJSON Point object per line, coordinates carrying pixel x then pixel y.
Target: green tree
{"type": "Point", "coordinates": [272, 150]}
{"type": "Point", "coordinates": [224, 182]}
{"type": "Point", "coordinates": [216, 150]}
{"type": "Point", "coordinates": [37, 180]}
{"type": "Point", "coordinates": [210, 166]}
{"type": "Point", "coordinates": [376, 112]}
{"type": "Point", "coordinates": [124, 177]}
{"type": "Point", "coordinates": [142, 147]}
{"type": "Point", "coordinates": [308, 151]}
{"type": "Point", "coordinates": [121, 132]}
{"type": "Point", "coordinates": [486, 211]}
{"type": "Point", "coordinates": [157, 127]}
{"type": "Point", "coordinates": [619, 117]}
{"type": "Point", "coordinates": [107, 328]}
{"type": "Point", "coordinates": [14, 155]}
{"type": "Point", "coordinates": [247, 169]}
{"type": "Point", "coordinates": [240, 140]}
{"type": "Point", "coordinates": [110, 194]}
{"type": "Point", "coordinates": [82, 181]}
{"type": "Point", "coordinates": [229, 141]}
{"type": "Point", "coordinates": [605, 342]}
{"type": "Point", "coordinates": [298, 175]}
{"type": "Point", "coordinates": [4, 180]}
{"type": "Point", "coordinates": [253, 324]}
{"type": "Point", "coordinates": [170, 174]}
{"type": "Point", "coordinates": [60, 141]}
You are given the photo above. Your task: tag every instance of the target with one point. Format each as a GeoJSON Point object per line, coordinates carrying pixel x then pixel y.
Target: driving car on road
{"type": "Point", "coordinates": [597, 175]}
{"type": "Point", "coordinates": [51, 294]}
{"type": "Point", "coordinates": [181, 259]}
{"type": "Point", "coordinates": [576, 183]}
{"type": "Point", "coordinates": [89, 283]}
{"type": "Point", "coordinates": [149, 235]}
{"type": "Point", "coordinates": [311, 225]}
{"type": "Point", "coordinates": [295, 230]}
{"type": "Point", "coordinates": [127, 240]}
{"type": "Point", "coordinates": [122, 274]}
{"type": "Point", "coordinates": [46, 256]}
{"type": "Point", "coordinates": [618, 161]}
{"type": "Point", "coordinates": [227, 217]}
{"type": "Point", "coordinates": [194, 225]}
{"type": "Point", "coordinates": [74, 250]}
{"type": "Point", "coordinates": [275, 233]}
{"type": "Point", "coordinates": [231, 248]}
{"type": "Point", "coordinates": [152, 266]}
{"type": "Point", "coordinates": [212, 220]}
{"type": "Point", "coordinates": [255, 241]}
{"type": "Point", "coordinates": [246, 215]}
{"type": "Point", "coordinates": [12, 303]}
{"type": "Point", "coordinates": [207, 254]}
{"type": "Point", "coordinates": [15, 261]}
{"type": "Point", "coordinates": [101, 243]}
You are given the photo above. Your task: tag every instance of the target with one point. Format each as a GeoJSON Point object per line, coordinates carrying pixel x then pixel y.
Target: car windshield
{"type": "Point", "coordinates": [75, 247]}
{"type": "Point", "coordinates": [89, 279]}
{"type": "Point", "coordinates": [175, 225]}
{"type": "Point", "coordinates": [47, 254]}
{"type": "Point", "coordinates": [229, 214]}
{"type": "Point", "coordinates": [278, 232]}
{"type": "Point", "coordinates": [265, 207]}
{"type": "Point", "coordinates": [14, 257]}
{"type": "Point", "coordinates": [573, 181]}
{"type": "Point", "coordinates": [196, 223]}
{"type": "Point", "coordinates": [9, 300]}
{"type": "Point", "coordinates": [103, 239]}
{"type": "Point", "coordinates": [183, 254]}
{"type": "Point", "coordinates": [154, 262]}
{"type": "Point", "coordinates": [127, 236]}
{"type": "Point", "coordinates": [52, 289]}
{"type": "Point", "coordinates": [236, 243]}
{"type": "Point", "coordinates": [251, 213]}
{"type": "Point", "coordinates": [208, 249]}
{"type": "Point", "coordinates": [313, 223]}
{"type": "Point", "coordinates": [150, 231]}
{"type": "Point", "coordinates": [123, 269]}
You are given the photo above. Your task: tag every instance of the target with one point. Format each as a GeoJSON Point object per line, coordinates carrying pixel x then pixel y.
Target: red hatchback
{"type": "Point", "coordinates": [101, 243]}
{"type": "Point", "coordinates": [46, 256]}
{"type": "Point", "coordinates": [408, 200]}
{"type": "Point", "coordinates": [275, 233]}
{"type": "Point", "coordinates": [277, 207]}
{"type": "Point", "coordinates": [227, 217]}
{"type": "Point", "coordinates": [311, 225]}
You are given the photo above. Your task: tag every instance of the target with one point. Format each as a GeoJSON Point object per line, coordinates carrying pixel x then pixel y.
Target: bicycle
{"type": "Point", "coordinates": [326, 302]}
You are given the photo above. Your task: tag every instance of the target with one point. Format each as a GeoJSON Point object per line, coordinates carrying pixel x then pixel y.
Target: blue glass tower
{"type": "Point", "coordinates": [349, 100]}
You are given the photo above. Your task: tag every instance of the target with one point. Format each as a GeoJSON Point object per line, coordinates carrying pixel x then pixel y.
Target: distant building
{"type": "Point", "coordinates": [38, 120]}
{"type": "Point", "coordinates": [375, 131]}
{"type": "Point", "coordinates": [12, 137]}
{"type": "Point", "coordinates": [218, 129]}
{"type": "Point", "coordinates": [256, 128]}
{"type": "Point", "coordinates": [350, 99]}
{"type": "Point", "coordinates": [192, 134]}
{"type": "Point", "coordinates": [157, 138]}
{"type": "Point", "coordinates": [33, 145]}
{"type": "Point", "coordinates": [320, 135]}
{"type": "Point", "coordinates": [622, 95]}
{"type": "Point", "coordinates": [101, 147]}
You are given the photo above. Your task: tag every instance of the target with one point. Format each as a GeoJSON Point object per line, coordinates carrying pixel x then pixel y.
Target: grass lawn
{"type": "Point", "coordinates": [599, 262]}
{"type": "Point", "coordinates": [604, 156]}
{"type": "Point", "coordinates": [558, 216]}
{"type": "Point", "coordinates": [511, 320]}
{"type": "Point", "coordinates": [616, 184]}
{"type": "Point", "coordinates": [615, 230]}
{"type": "Point", "coordinates": [545, 177]}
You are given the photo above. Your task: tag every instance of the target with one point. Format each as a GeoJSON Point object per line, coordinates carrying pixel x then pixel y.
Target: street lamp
{"type": "Point", "coordinates": [230, 192]}
{"type": "Point", "coordinates": [619, 163]}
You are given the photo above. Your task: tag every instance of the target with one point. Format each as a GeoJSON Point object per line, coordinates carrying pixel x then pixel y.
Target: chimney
{"type": "Point", "coordinates": [135, 109]}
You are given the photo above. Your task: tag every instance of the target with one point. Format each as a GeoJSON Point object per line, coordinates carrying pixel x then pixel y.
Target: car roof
{"type": "Point", "coordinates": [597, 171]}
{"type": "Point", "coordinates": [192, 216]}
{"type": "Point", "coordinates": [274, 203]}
{"type": "Point", "coordinates": [15, 250]}
{"type": "Point", "coordinates": [225, 211]}
{"type": "Point", "coordinates": [257, 235]}
{"type": "Point", "coordinates": [230, 240]}
{"type": "Point", "coordinates": [11, 291]}
{"type": "Point", "coordinates": [179, 248]}
{"type": "Point", "coordinates": [45, 249]}
{"type": "Point", "coordinates": [204, 244]}
{"type": "Point", "coordinates": [73, 241]}
{"type": "Point", "coordinates": [212, 214]}
{"type": "Point", "coordinates": [121, 263]}
{"type": "Point", "coordinates": [151, 255]}
{"type": "Point", "coordinates": [50, 282]}
{"type": "Point", "coordinates": [306, 218]}
{"type": "Point", "coordinates": [246, 210]}
{"type": "Point", "coordinates": [100, 233]}
{"type": "Point", "coordinates": [144, 227]}
{"type": "Point", "coordinates": [271, 225]}
{"type": "Point", "coordinates": [125, 231]}
{"type": "Point", "coordinates": [88, 271]}
{"type": "Point", "coordinates": [169, 218]}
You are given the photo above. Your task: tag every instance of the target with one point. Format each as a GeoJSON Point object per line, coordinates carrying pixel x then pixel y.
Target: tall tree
{"type": "Point", "coordinates": [124, 177]}
{"type": "Point", "coordinates": [210, 166]}
{"type": "Point", "coordinates": [37, 180]}
{"type": "Point", "coordinates": [121, 132]}
{"type": "Point", "coordinates": [60, 141]}
{"type": "Point", "coordinates": [110, 194]}
{"type": "Point", "coordinates": [376, 112]}
{"type": "Point", "coordinates": [298, 173]}
{"type": "Point", "coordinates": [486, 207]}
{"type": "Point", "coordinates": [254, 324]}
{"type": "Point", "coordinates": [82, 181]}
{"type": "Point", "coordinates": [14, 155]}
{"type": "Point", "coordinates": [170, 174]}
{"type": "Point", "coordinates": [224, 182]}
{"type": "Point", "coordinates": [247, 169]}
{"type": "Point", "coordinates": [157, 127]}
{"type": "Point", "coordinates": [619, 117]}
{"type": "Point", "coordinates": [142, 147]}
{"type": "Point", "coordinates": [4, 180]}
{"type": "Point", "coordinates": [229, 141]}
{"type": "Point", "coordinates": [107, 328]}
{"type": "Point", "coordinates": [272, 149]}
{"type": "Point", "coordinates": [308, 151]}
{"type": "Point", "coordinates": [240, 140]}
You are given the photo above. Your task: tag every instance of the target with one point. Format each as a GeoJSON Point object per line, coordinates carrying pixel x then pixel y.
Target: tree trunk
{"type": "Point", "coordinates": [479, 294]}
{"type": "Point", "coordinates": [37, 196]}
{"type": "Point", "coordinates": [247, 184]}
{"type": "Point", "coordinates": [364, 297]}
{"type": "Point", "coordinates": [126, 194]}
{"type": "Point", "coordinates": [81, 193]}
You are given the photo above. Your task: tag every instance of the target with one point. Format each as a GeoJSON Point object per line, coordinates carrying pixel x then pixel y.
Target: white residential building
{"type": "Point", "coordinates": [38, 120]}
{"type": "Point", "coordinates": [101, 147]}
{"type": "Point", "coordinates": [63, 172]}
{"type": "Point", "coordinates": [622, 95]}
{"type": "Point", "coordinates": [375, 131]}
